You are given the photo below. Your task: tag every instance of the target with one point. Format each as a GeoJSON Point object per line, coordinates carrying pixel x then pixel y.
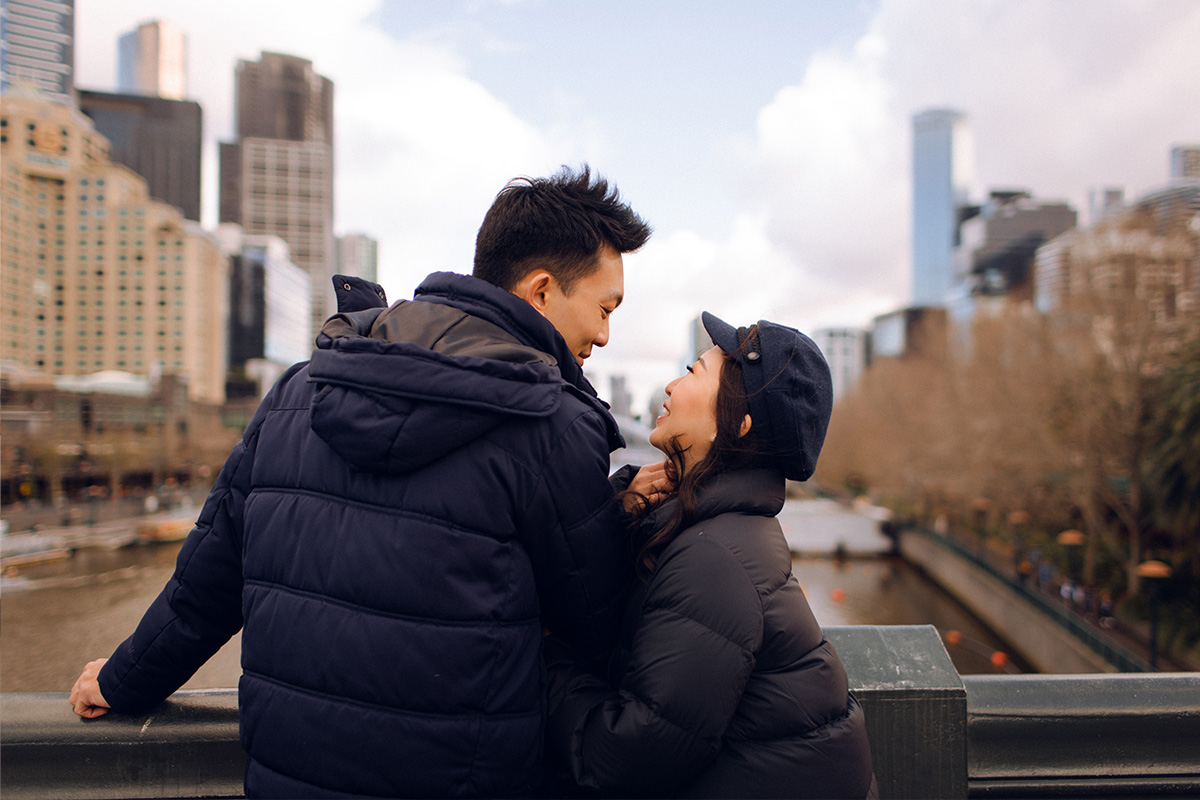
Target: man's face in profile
{"type": "Point", "coordinates": [581, 316]}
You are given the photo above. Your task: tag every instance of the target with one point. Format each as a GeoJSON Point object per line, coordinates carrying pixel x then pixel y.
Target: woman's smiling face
{"type": "Point", "coordinates": [690, 413]}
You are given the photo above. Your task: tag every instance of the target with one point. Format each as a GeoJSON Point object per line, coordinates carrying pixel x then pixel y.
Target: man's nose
{"type": "Point", "coordinates": [601, 335]}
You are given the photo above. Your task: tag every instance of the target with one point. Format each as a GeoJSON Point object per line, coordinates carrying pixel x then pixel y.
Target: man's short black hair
{"type": "Point", "coordinates": [557, 224]}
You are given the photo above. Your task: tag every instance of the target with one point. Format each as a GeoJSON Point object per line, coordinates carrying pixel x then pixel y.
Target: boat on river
{"type": "Point", "coordinates": [174, 529]}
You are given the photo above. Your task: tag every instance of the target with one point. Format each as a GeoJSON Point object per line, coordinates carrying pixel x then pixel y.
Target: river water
{"type": "Point", "coordinates": [55, 617]}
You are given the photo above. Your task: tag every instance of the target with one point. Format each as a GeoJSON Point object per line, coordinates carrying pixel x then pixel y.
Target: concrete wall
{"type": "Point", "coordinates": [1037, 638]}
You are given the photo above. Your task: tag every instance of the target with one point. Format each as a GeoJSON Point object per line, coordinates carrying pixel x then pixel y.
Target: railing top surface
{"type": "Point", "coordinates": [894, 657]}
{"type": "Point", "coordinates": [1100, 695]}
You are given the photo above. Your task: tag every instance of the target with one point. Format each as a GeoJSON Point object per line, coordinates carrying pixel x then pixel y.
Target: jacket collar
{"type": "Point", "coordinates": [759, 492]}
{"type": "Point", "coordinates": [505, 309]}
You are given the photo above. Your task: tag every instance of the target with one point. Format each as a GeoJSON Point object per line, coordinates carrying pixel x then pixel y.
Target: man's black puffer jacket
{"type": "Point", "coordinates": [403, 514]}
{"type": "Point", "coordinates": [725, 684]}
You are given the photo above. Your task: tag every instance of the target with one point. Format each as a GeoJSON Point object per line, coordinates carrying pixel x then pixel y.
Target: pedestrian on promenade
{"type": "Point", "coordinates": [403, 515]}
{"type": "Point", "coordinates": [723, 684]}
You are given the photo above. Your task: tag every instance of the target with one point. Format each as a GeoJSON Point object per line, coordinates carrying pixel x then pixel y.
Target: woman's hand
{"type": "Point", "coordinates": [652, 482]}
{"type": "Point", "coordinates": [85, 697]}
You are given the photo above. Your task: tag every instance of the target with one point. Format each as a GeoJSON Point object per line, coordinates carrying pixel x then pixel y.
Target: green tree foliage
{"type": "Point", "coordinates": [1173, 456]}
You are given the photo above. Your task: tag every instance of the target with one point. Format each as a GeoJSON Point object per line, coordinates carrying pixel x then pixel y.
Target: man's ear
{"type": "Point", "coordinates": [745, 426]}
{"type": "Point", "coordinates": [534, 287]}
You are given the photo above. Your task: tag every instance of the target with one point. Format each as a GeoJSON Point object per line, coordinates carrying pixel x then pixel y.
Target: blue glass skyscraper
{"type": "Point", "coordinates": [942, 175]}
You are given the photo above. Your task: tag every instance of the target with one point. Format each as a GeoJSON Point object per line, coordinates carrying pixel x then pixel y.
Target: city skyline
{"type": "Point", "coordinates": [767, 142]}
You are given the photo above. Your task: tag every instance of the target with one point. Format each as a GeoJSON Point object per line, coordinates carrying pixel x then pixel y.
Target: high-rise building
{"type": "Point", "coordinates": [942, 176]}
{"type": "Point", "coordinates": [996, 249]}
{"type": "Point", "coordinates": [277, 177]}
{"type": "Point", "coordinates": [620, 398]}
{"type": "Point", "coordinates": [270, 300]}
{"type": "Point", "coordinates": [37, 46]}
{"type": "Point", "coordinates": [913, 332]}
{"type": "Point", "coordinates": [846, 351]}
{"type": "Point", "coordinates": [1185, 162]}
{"type": "Point", "coordinates": [152, 61]}
{"type": "Point", "coordinates": [1144, 255]}
{"type": "Point", "coordinates": [157, 138]}
{"type": "Point", "coordinates": [1104, 202]}
{"type": "Point", "coordinates": [358, 255]}
{"type": "Point", "coordinates": [97, 275]}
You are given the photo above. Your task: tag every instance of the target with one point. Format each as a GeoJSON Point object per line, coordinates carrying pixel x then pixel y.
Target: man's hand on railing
{"type": "Point", "coordinates": [86, 698]}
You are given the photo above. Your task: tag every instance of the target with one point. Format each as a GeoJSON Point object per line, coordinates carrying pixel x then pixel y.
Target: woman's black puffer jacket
{"type": "Point", "coordinates": [725, 684]}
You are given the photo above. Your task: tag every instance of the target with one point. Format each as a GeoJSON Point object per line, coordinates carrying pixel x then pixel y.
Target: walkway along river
{"type": "Point", "coordinates": [56, 616]}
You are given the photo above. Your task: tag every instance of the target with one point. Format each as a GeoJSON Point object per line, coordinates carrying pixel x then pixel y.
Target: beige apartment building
{"type": "Point", "coordinates": [96, 275]}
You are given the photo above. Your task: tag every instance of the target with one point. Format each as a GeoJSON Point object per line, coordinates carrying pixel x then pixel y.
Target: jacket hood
{"type": "Point", "coordinates": [400, 387]}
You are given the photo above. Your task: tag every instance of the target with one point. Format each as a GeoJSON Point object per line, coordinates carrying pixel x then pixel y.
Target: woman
{"type": "Point", "coordinates": [724, 685]}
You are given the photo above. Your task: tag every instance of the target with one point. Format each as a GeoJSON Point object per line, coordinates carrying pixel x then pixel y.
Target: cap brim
{"type": "Point", "coordinates": [721, 332]}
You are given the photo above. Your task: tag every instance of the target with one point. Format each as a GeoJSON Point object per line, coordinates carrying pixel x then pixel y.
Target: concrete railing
{"type": "Point", "coordinates": [933, 733]}
{"type": "Point", "coordinates": [1127, 735]}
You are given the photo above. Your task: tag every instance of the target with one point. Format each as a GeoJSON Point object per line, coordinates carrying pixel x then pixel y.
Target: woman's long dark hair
{"type": "Point", "coordinates": [728, 451]}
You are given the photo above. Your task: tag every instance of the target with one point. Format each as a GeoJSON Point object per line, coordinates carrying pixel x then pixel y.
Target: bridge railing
{"type": "Point", "coordinates": [934, 734]}
{"type": "Point", "coordinates": [1123, 735]}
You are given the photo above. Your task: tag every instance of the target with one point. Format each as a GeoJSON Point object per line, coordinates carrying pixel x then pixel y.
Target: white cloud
{"type": "Point", "coordinates": [822, 238]}
{"type": "Point", "coordinates": [422, 150]}
{"type": "Point", "coordinates": [1062, 96]}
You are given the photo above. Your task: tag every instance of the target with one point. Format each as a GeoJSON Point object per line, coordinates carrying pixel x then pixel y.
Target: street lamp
{"type": "Point", "coordinates": [1071, 540]}
{"type": "Point", "coordinates": [1155, 574]}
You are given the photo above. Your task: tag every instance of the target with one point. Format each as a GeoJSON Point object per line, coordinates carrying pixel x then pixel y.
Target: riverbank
{"type": "Point", "coordinates": [1052, 637]}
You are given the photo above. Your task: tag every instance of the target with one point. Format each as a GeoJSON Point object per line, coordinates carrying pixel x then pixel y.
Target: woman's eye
{"type": "Point", "coordinates": [690, 370]}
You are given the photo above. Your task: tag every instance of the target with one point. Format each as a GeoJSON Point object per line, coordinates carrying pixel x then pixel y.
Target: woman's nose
{"type": "Point", "coordinates": [671, 386]}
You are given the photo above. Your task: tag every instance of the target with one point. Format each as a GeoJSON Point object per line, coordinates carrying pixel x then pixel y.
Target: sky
{"type": "Point", "coordinates": [766, 141]}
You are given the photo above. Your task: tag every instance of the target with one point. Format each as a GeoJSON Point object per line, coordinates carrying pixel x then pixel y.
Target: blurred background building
{"type": "Point", "coordinates": [1149, 250]}
{"type": "Point", "coordinates": [270, 299]}
{"type": "Point", "coordinates": [97, 274]}
{"type": "Point", "coordinates": [152, 61]}
{"type": "Point", "coordinates": [915, 331]}
{"type": "Point", "coordinates": [847, 351]}
{"type": "Point", "coordinates": [358, 255]}
{"type": "Point", "coordinates": [277, 176]}
{"type": "Point", "coordinates": [157, 138]}
{"type": "Point", "coordinates": [997, 242]}
{"type": "Point", "coordinates": [150, 125]}
{"type": "Point", "coordinates": [37, 47]}
{"type": "Point", "coordinates": [1185, 163]}
{"type": "Point", "coordinates": [943, 167]}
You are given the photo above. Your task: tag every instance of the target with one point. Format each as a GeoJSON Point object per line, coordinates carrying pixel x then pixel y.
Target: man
{"type": "Point", "coordinates": [404, 514]}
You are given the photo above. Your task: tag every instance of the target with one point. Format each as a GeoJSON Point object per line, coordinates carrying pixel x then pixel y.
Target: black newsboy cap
{"type": "Point", "coordinates": [788, 387]}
